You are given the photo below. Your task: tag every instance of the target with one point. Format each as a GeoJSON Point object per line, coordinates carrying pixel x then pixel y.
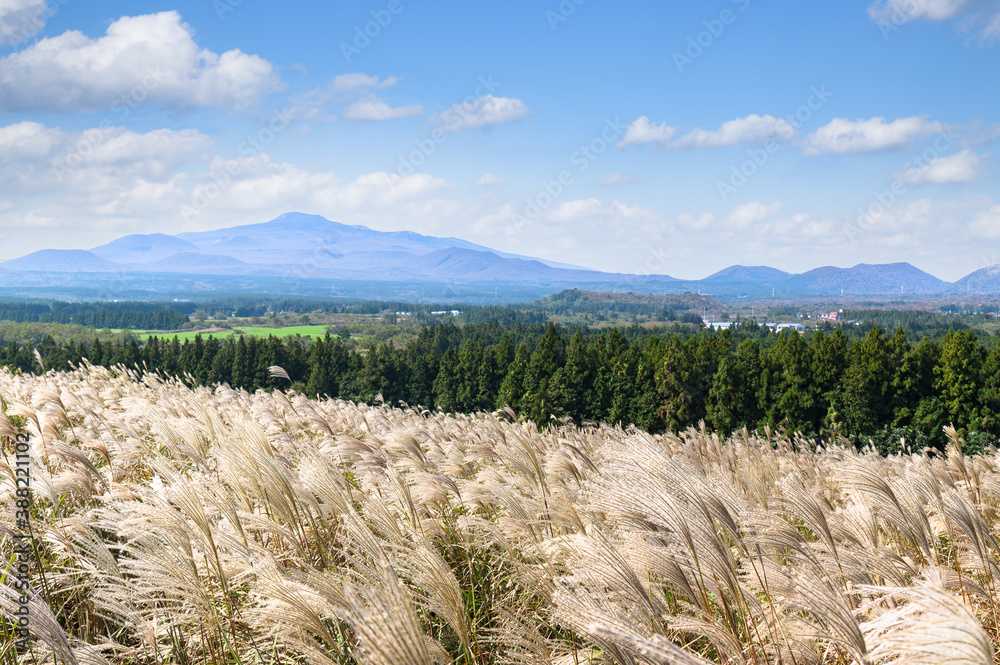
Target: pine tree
{"type": "Point", "coordinates": [513, 389]}
{"type": "Point", "coordinates": [320, 381]}
{"type": "Point", "coordinates": [572, 386]}
{"type": "Point", "coordinates": [737, 396]}
{"type": "Point", "coordinates": [957, 379]}
{"type": "Point", "coordinates": [866, 400]}
{"type": "Point", "coordinates": [447, 383]}
{"type": "Point", "coordinates": [829, 365]}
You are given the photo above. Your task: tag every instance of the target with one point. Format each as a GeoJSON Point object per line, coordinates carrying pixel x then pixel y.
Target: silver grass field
{"type": "Point", "coordinates": [179, 525]}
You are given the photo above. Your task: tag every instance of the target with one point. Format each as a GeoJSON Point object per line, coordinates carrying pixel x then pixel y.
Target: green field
{"type": "Point", "coordinates": [305, 331]}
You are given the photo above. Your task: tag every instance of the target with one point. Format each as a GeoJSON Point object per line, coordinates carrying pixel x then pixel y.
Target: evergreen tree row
{"type": "Point", "coordinates": [131, 316]}
{"type": "Point", "coordinates": [882, 387]}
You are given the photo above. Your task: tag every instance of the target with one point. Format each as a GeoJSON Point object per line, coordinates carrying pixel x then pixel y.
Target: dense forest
{"type": "Point", "coordinates": [882, 387]}
{"type": "Point", "coordinates": [133, 316]}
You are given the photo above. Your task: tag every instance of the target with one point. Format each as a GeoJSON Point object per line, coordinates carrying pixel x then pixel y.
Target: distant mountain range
{"type": "Point", "coordinates": [299, 253]}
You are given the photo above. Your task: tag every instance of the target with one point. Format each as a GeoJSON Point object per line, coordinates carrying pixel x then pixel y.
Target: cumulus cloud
{"type": "Point", "coordinates": [373, 108]}
{"type": "Point", "coordinates": [35, 159]}
{"type": "Point", "coordinates": [751, 129]}
{"type": "Point", "coordinates": [964, 166]}
{"type": "Point", "coordinates": [482, 112]}
{"type": "Point", "coordinates": [642, 132]}
{"type": "Point", "coordinates": [753, 212]}
{"type": "Point", "coordinates": [27, 140]}
{"type": "Point", "coordinates": [491, 179]}
{"type": "Point", "coordinates": [841, 136]}
{"type": "Point", "coordinates": [152, 58]}
{"type": "Point", "coordinates": [156, 153]}
{"type": "Point", "coordinates": [22, 19]}
{"type": "Point", "coordinates": [615, 178]}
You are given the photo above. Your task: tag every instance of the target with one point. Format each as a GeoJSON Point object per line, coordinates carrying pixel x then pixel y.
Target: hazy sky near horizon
{"type": "Point", "coordinates": [673, 138]}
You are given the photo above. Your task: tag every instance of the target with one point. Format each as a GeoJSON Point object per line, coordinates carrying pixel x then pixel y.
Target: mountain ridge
{"type": "Point", "coordinates": [295, 248]}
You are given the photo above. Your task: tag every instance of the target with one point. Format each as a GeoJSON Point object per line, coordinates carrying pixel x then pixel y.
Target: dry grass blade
{"type": "Point", "coordinates": [931, 627]}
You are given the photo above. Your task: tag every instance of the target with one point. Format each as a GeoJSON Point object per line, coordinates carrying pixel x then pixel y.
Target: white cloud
{"type": "Point", "coordinates": [987, 223]}
{"type": "Point", "coordinates": [372, 108]}
{"type": "Point", "coordinates": [36, 160]}
{"type": "Point", "coordinates": [482, 112]}
{"type": "Point", "coordinates": [491, 179]}
{"type": "Point", "coordinates": [22, 19]}
{"type": "Point", "coordinates": [964, 166]}
{"type": "Point", "coordinates": [149, 59]}
{"type": "Point", "coordinates": [357, 80]}
{"type": "Point", "coordinates": [751, 129]}
{"type": "Point", "coordinates": [615, 178]}
{"type": "Point", "coordinates": [841, 136]}
{"type": "Point", "coordinates": [696, 222]}
{"type": "Point", "coordinates": [27, 140]}
{"type": "Point", "coordinates": [980, 18]}
{"type": "Point", "coordinates": [753, 212]}
{"type": "Point", "coordinates": [991, 30]}
{"type": "Point", "coordinates": [354, 90]}
{"type": "Point", "coordinates": [642, 131]}
{"type": "Point", "coordinates": [575, 211]}
{"type": "Point", "coordinates": [904, 11]}
{"type": "Point", "coordinates": [157, 152]}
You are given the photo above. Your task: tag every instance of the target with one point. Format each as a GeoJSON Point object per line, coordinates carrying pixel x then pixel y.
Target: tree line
{"type": "Point", "coordinates": [882, 388]}
{"type": "Point", "coordinates": [131, 316]}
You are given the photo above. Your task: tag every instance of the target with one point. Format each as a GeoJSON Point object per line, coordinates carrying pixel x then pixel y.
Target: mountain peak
{"type": "Point", "coordinates": [741, 273]}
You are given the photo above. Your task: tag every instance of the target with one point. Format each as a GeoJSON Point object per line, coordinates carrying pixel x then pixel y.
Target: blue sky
{"type": "Point", "coordinates": [673, 138]}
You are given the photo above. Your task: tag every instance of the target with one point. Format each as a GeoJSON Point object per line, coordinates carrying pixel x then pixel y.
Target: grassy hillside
{"type": "Point", "coordinates": [172, 525]}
